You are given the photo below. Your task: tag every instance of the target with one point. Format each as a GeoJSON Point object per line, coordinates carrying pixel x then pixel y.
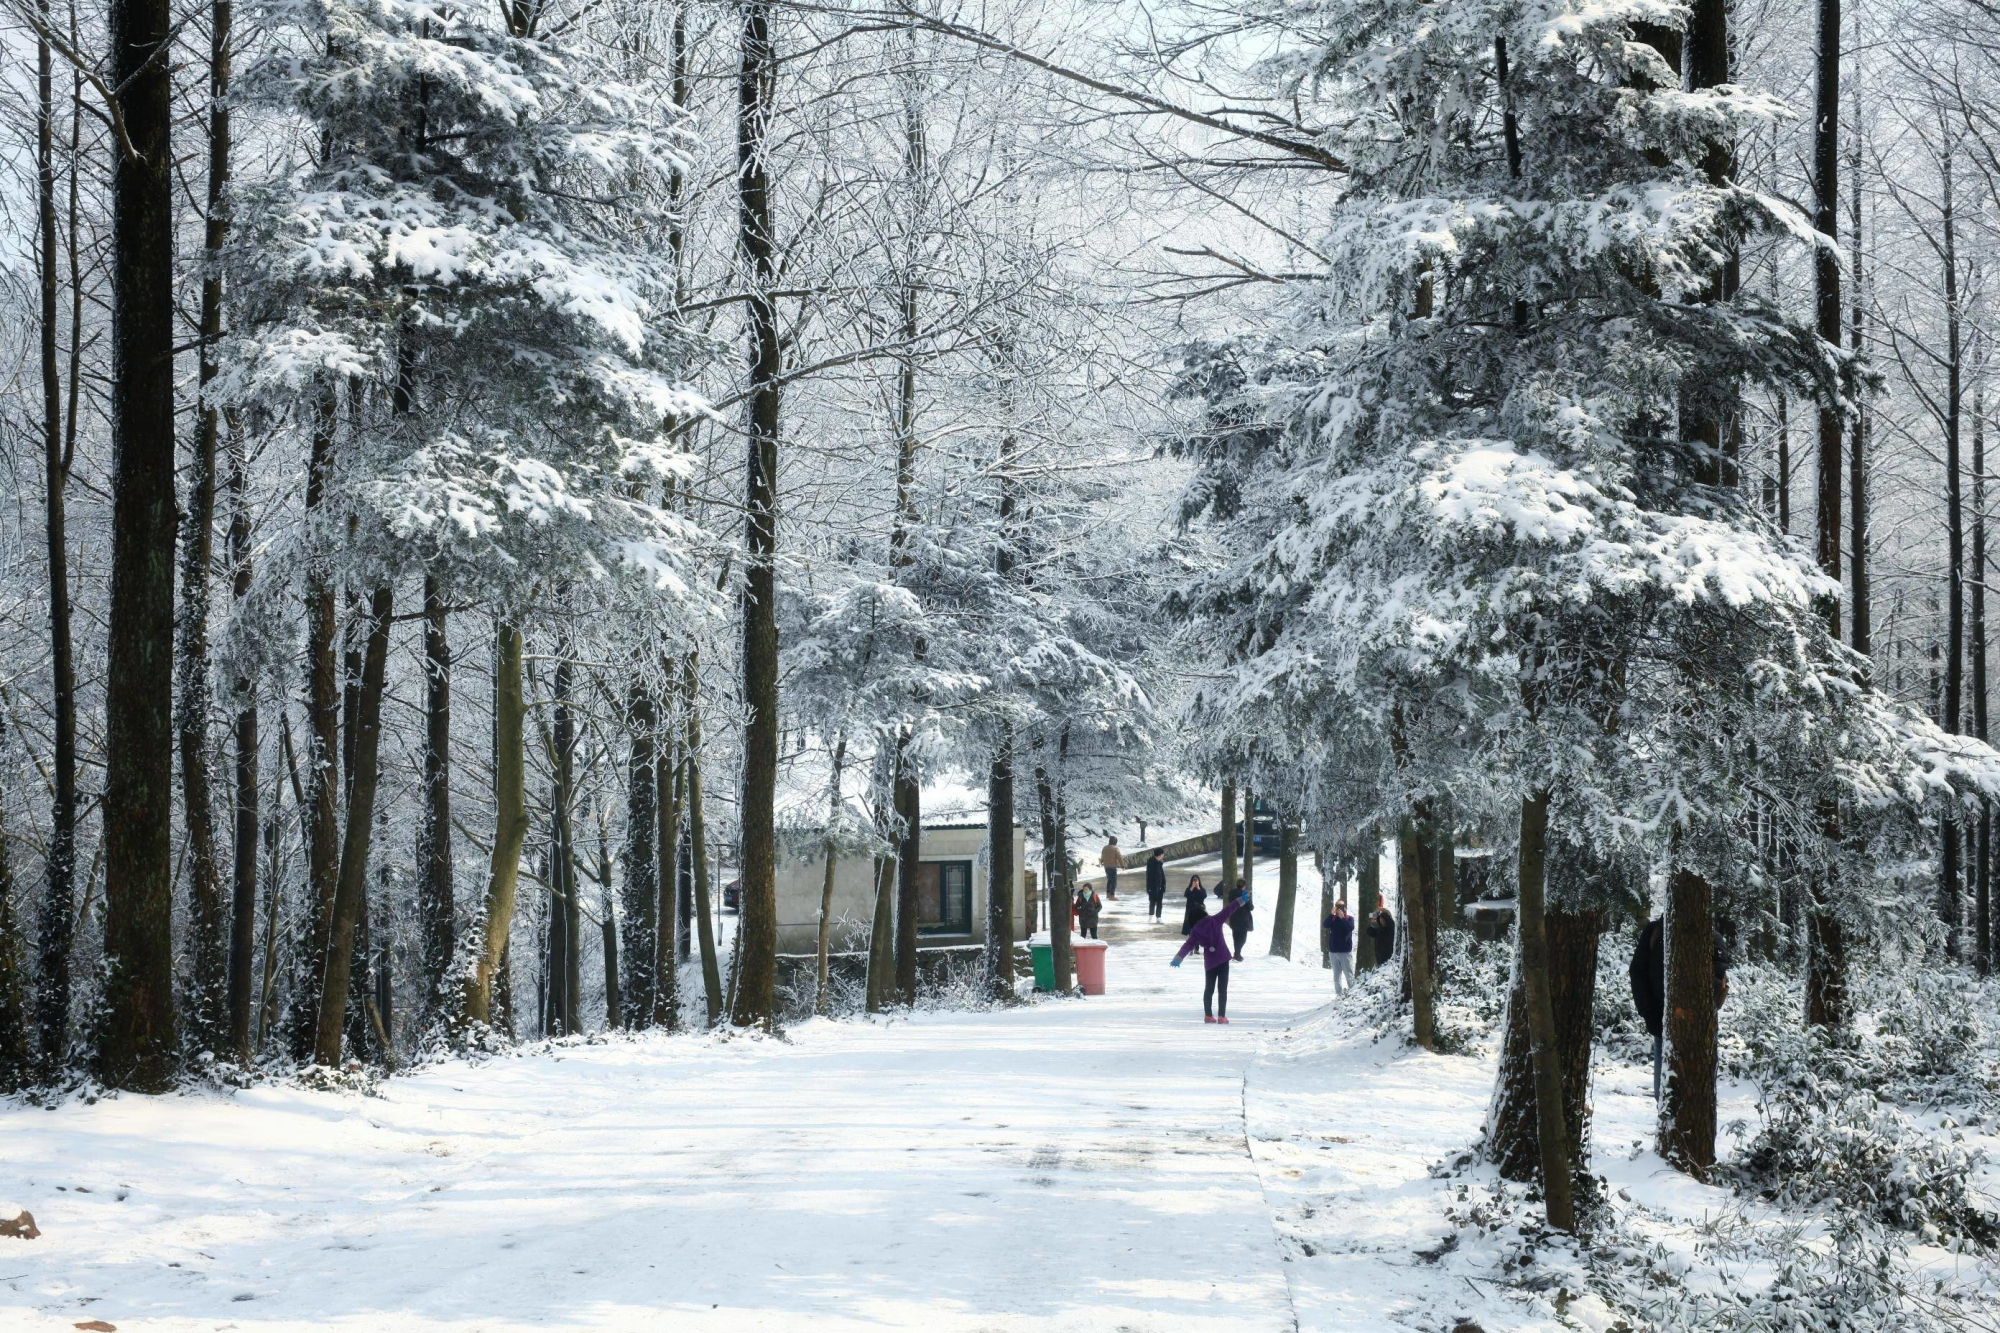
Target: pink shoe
{"type": "Point", "coordinates": [1222, 1020]}
{"type": "Point", "coordinates": [1206, 1019]}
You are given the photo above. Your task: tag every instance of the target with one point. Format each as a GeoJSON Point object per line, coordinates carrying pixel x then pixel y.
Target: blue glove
{"type": "Point", "coordinates": [1177, 962]}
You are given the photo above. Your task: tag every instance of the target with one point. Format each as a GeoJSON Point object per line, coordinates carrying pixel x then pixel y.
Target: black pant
{"type": "Point", "coordinates": [1215, 992]}
{"type": "Point", "coordinates": [1155, 902]}
{"type": "Point", "coordinates": [1241, 933]}
{"type": "Point", "coordinates": [1088, 929]}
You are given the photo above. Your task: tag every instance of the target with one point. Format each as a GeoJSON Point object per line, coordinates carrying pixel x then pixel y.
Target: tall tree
{"type": "Point", "coordinates": [209, 930]}
{"type": "Point", "coordinates": [137, 1039]}
{"type": "Point", "coordinates": [56, 925]}
{"type": "Point", "coordinates": [757, 932]}
{"type": "Point", "coordinates": [436, 909]}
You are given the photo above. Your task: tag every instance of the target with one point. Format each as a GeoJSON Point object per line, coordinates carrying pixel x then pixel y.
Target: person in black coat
{"type": "Point", "coordinates": [1156, 885]}
{"type": "Point", "coordinates": [1088, 906]}
{"type": "Point", "coordinates": [1382, 930]}
{"type": "Point", "coordinates": [1648, 974]}
{"type": "Point", "coordinates": [1240, 923]}
{"type": "Point", "coordinates": [1196, 908]}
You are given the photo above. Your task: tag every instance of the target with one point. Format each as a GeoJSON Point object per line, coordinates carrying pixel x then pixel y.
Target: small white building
{"type": "Point", "coordinates": [951, 891]}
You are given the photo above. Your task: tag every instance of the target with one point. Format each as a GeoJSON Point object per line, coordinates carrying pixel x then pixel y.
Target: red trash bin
{"type": "Point", "coordinates": [1089, 965]}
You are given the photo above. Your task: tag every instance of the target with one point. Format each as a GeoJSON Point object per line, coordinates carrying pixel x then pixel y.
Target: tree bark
{"type": "Point", "coordinates": [910, 835]}
{"type": "Point", "coordinates": [755, 986]}
{"type": "Point", "coordinates": [321, 816]}
{"type": "Point", "coordinates": [1982, 949]}
{"type": "Point", "coordinates": [1557, 1162]}
{"type": "Point", "coordinates": [882, 939]}
{"type": "Point", "coordinates": [1228, 835]}
{"type": "Point", "coordinates": [436, 909]}
{"type": "Point", "coordinates": [58, 914]}
{"type": "Point", "coordinates": [1513, 1142]}
{"type": "Point", "coordinates": [1859, 619]}
{"type": "Point", "coordinates": [362, 784]}
{"type": "Point", "coordinates": [248, 814]}
{"type": "Point", "coordinates": [484, 1002]}
{"type": "Point", "coordinates": [17, 1056]}
{"type": "Point", "coordinates": [1414, 887]}
{"type": "Point", "coordinates": [566, 912]}
{"type": "Point", "coordinates": [1056, 842]}
{"type": "Point", "coordinates": [1950, 904]}
{"type": "Point", "coordinates": [1000, 869]}
{"type": "Point", "coordinates": [1826, 280]}
{"type": "Point", "coordinates": [704, 915]}
{"type": "Point", "coordinates": [1688, 1111]}
{"type": "Point", "coordinates": [1288, 886]}
{"type": "Point", "coordinates": [667, 950]}
{"type": "Point", "coordinates": [1368, 885]}
{"type": "Point", "coordinates": [138, 1045]}
{"type": "Point", "coordinates": [641, 884]}
{"type": "Point", "coordinates": [209, 923]}
{"type": "Point", "coordinates": [832, 852]}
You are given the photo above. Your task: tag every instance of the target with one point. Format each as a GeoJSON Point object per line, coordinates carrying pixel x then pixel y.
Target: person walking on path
{"type": "Point", "coordinates": [1156, 884]}
{"type": "Point", "coordinates": [1241, 923]}
{"type": "Point", "coordinates": [1339, 929]}
{"type": "Point", "coordinates": [1382, 930]}
{"type": "Point", "coordinates": [1088, 905]}
{"type": "Point", "coordinates": [1207, 934]}
{"type": "Point", "coordinates": [1197, 908]}
{"type": "Point", "coordinates": [1113, 861]}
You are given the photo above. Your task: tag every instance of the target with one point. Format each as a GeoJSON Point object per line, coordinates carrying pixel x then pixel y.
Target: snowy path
{"type": "Point", "coordinates": [1083, 1165]}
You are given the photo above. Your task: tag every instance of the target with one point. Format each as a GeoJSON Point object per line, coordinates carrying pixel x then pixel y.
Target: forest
{"type": "Point", "coordinates": [499, 491]}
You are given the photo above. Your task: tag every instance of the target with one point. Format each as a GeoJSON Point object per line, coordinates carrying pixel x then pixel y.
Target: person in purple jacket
{"type": "Point", "coordinates": [1208, 933]}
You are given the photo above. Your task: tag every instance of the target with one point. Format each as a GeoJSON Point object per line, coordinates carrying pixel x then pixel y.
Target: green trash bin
{"type": "Point", "coordinates": [1044, 952]}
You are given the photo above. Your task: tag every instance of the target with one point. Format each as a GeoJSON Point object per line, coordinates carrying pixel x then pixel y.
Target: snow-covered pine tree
{"type": "Point", "coordinates": [458, 249]}
{"type": "Point", "coordinates": [1478, 529]}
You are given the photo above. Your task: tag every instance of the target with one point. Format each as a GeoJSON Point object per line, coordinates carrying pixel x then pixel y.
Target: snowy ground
{"type": "Point", "coordinates": [1100, 1164]}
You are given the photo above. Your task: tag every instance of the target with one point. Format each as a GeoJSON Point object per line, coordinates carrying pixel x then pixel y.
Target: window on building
{"type": "Point", "coordinates": [944, 897]}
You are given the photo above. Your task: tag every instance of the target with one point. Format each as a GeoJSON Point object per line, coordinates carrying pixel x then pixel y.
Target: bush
{"type": "Point", "coordinates": [1823, 1145]}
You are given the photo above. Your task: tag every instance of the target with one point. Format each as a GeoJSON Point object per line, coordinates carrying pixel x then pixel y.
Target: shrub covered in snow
{"type": "Point", "coordinates": [1824, 1146]}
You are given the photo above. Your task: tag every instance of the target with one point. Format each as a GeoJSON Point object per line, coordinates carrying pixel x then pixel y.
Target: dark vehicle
{"type": "Point", "coordinates": [732, 896]}
{"type": "Point", "coordinates": [1264, 821]}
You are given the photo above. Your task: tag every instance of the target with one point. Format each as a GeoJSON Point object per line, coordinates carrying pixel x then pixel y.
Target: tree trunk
{"type": "Point", "coordinates": [17, 1064]}
{"type": "Point", "coordinates": [1059, 890]}
{"type": "Point", "coordinates": [322, 787]}
{"type": "Point", "coordinates": [1228, 835]}
{"type": "Point", "coordinates": [58, 914]}
{"type": "Point", "coordinates": [208, 924]}
{"type": "Point", "coordinates": [1368, 887]}
{"type": "Point", "coordinates": [247, 812]}
{"type": "Point", "coordinates": [436, 909]}
{"type": "Point", "coordinates": [483, 1000]}
{"type": "Point", "coordinates": [882, 939]}
{"type": "Point", "coordinates": [1000, 869]}
{"type": "Point", "coordinates": [755, 986]}
{"type": "Point", "coordinates": [1857, 463]}
{"type": "Point", "coordinates": [667, 950]}
{"type": "Point", "coordinates": [608, 925]}
{"type": "Point", "coordinates": [566, 912]}
{"type": "Point", "coordinates": [1982, 864]}
{"type": "Point", "coordinates": [1950, 890]}
{"type": "Point", "coordinates": [1414, 887]}
{"type": "Point", "coordinates": [1826, 281]}
{"type": "Point", "coordinates": [1687, 1112]}
{"type": "Point", "coordinates": [825, 941]}
{"type": "Point", "coordinates": [362, 784]}
{"type": "Point", "coordinates": [641, 884]}
{"type": "Point", "coordinates": [1288, 886]}
{"type": "Point", "coordinates": [910, 835]}
{"type": "Point", "coordinates": [1545, 1055]}
{"type": "Point", "coordinates": [704, 915]}
{"type": "Point", "coordinates": [138, 1046]}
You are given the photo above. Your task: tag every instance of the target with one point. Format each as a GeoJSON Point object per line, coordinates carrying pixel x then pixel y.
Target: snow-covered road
{"type": "Point", "coordinates": [1083, 1165]}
